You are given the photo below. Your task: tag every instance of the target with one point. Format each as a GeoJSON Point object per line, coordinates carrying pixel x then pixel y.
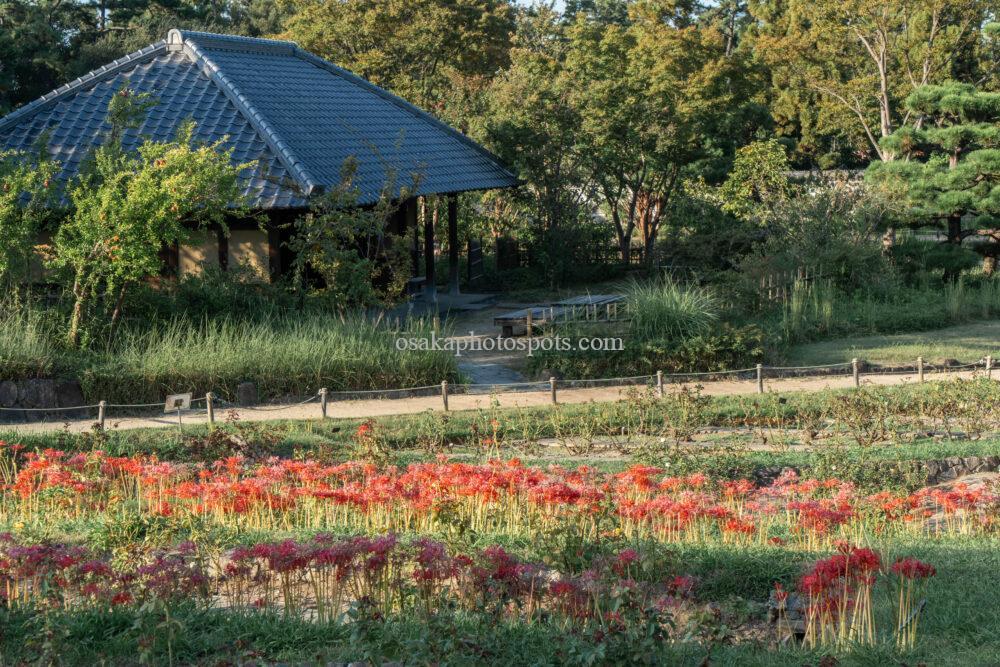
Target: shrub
{"type": "Point", "coordinates": [26, 348]}
{"type": "Point", "coordinates": [216, 355]}
{"type": "Point", "coordinates": [727, 348]}
{"type": "Point", "coordinates": [916, 258]}
{"type": "Point", "coordinates": [667, 311]}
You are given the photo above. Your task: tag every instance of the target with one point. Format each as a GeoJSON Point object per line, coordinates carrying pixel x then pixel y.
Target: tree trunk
{"type": "Point", "coordinates": [889, 240]}
{"type": "Point", "coordinates": [954, 237]}
{"type": "Point", "coordinates": [116, 315]}
{"type": "Point", "coordinates": [955, 229]}
{"type": "Point", "coordinates": [625, 248]}
{"type": "Point", "coordinates": [80, 297]}
{"type": "Point", "coordinates": [989, 264]}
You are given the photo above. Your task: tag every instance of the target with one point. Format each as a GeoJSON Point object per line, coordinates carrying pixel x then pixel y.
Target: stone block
{"type": "Point", "coordinates": [8, 394]}
{"type": "Point", "coordinates": [36, 394]}
{"type": "Point", "coordinates": [246, 394]}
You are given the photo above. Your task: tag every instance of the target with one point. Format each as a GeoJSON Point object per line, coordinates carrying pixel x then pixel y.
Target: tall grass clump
{"type": "Point", "coordinates": [26, 347]}
{"type": "Point", "coordinates": [666, 310]}
{"type": "Point", "coordinates": [814, 311]}
{"type": "Point", "coordinates": [285, 356]}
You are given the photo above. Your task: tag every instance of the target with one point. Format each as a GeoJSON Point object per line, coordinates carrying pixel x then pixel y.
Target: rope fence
{"type": "Point", "coordinates": [759, 374]}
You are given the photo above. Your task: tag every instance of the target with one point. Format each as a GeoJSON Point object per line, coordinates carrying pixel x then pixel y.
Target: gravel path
{"type": "Point", "coordinates": [384, 407]}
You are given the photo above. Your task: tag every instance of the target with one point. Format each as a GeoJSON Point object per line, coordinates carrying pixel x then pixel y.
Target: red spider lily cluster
{"type": "Point", "coordinates": [498, 497]}
{"type": "Point", "coordinates": [838, 596]}
{"type": "Point", "coordinates": [912, 577]}
{"type": "Point", "coordinates": [322, 577]}
{"type": "Point", "coordinates": [66, 576]}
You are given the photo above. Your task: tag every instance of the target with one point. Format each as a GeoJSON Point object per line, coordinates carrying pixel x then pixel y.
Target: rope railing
{"type": "Point", "coordinates": [760, 373]}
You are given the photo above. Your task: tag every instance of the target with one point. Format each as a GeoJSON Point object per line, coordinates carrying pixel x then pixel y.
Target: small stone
{"type": "Point", "coordinates": [246, 394]}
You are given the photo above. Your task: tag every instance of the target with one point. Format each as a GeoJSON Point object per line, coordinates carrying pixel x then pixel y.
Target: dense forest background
{"type": "Point", "coordinates": [827, 77]}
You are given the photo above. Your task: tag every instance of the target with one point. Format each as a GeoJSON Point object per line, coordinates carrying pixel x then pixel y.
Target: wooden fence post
{"type": "Point", "coordinates": [856, 372]}
{"type": "Point", "coordinates": [210, 408]}
{"type": "Point", "coordinates": [989, 367]}
{"type": "Point", "coordinates": [444, 394]}
{"type": "Point", "coordinates": [552, 387]}
{"type": "Point", "coordinates": [529, 325]}
{"type": "Point", "coordinates": [659, 384]}
{"type": "Point", "coordinates": [920, 369]}
{"type": "Point", "coordinates": [323, 401]}
{"type": "Point", "coordinates": [760, 378]}
{"type": "Point", "coordinates": [102, 407]}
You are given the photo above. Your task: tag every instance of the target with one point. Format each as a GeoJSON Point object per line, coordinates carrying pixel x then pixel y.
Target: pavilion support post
{"type": "Point", "coordinates": [453, 248]}
{"type": "Point", "coordinates": [413, 214]}
{"type": "Point", "coordinates": [430, 289]}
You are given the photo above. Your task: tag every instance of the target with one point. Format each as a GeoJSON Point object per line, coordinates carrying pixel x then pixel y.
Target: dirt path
{"type": "Point", "coordinates": [384, 407]}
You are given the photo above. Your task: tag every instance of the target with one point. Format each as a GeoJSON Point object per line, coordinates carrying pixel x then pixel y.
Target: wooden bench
{"type": "Point", "coordinates": [593, 307]}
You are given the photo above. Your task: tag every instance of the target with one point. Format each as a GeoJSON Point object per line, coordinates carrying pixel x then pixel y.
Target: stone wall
{"type": "Point", "coordinates": [953, 467]}
{"type": "Point", "coordinates": [932, 472]}
{"type": "Point", "coordinates": [30, 400]}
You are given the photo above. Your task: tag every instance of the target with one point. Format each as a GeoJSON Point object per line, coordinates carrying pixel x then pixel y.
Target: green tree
{"type": "Point", "coordinates": [758, 181]}
{"type": "Point", "coordinates": [843, 67]}
{"type": "Point", "coordinates": [951, 170]}
{"type": "Point", "coordinates": [654, 98]}
{"type": "Point", "coordinates": [602, 11]}
{"type": "Point", "coordinates": [416, 48]}
{"type": "Point", "coordinates": [25, 194]}
{"type": "Point", "coordinates": [126, 207]}
{"type": "Point", "coordinates": [124, 26]}
{"type": "Point", "coordinates": [37, 40]}
{"type": "Point", "coordinates": [532, 123]}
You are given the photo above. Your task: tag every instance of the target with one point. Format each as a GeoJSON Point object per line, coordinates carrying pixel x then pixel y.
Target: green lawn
{"type": "Point", "coordinates": [967, 343]}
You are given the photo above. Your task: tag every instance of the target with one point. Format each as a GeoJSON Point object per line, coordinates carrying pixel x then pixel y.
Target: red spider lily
{"type": "Point", "coordinates": [912, 577]}
{"type": "Point", "coordinates": [911, 568]}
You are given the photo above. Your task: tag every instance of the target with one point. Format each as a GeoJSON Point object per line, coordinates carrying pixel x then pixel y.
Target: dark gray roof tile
{"type": "Point", "coordinates": [296, 116]}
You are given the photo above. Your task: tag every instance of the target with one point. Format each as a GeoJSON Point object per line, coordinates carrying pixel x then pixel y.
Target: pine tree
{"type": "Point", "coordinates": [950, 174]}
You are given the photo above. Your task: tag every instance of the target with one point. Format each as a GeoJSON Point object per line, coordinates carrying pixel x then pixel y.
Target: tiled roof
{"type": "Point", "coordinates": [294, 115]}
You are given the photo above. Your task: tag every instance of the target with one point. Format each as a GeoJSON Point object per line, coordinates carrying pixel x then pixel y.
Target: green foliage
{"type": "Point", "coordinates": [702, 237]}
{"type": "Point", "coordinates": [726, 347]}
{"type": "Point", "coordinates": [952, 165]}
{"type": "Point", "coordinates": [217, 353]}
{"type": "Point", "coordinates": [656, 97]}
{"type": "Point", "coordinates": [833, 232]}
{"type": "Point", "coordinates": [350, 248]}
{"type": "Point", "coordinates": [26, 344]}
{"type": "Point", "coordinates": [420, 49]}
{"type": "Point", "coordinates": [840, 69]}
{"type": "Point", "coordinates": [126, 207]}
{"type": "Point", "coordinates": [25, 193]}
{"type": "Point", "coordinates": [667, 311]}
{"type": "Point", "coordinates": [821, 311]}
{"type": "Point", "coordinates": [758, 181]}
{"type": "Point", "coordinates": [530, 121]}
{"type": "Point", "coordinates": [916, 259]}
